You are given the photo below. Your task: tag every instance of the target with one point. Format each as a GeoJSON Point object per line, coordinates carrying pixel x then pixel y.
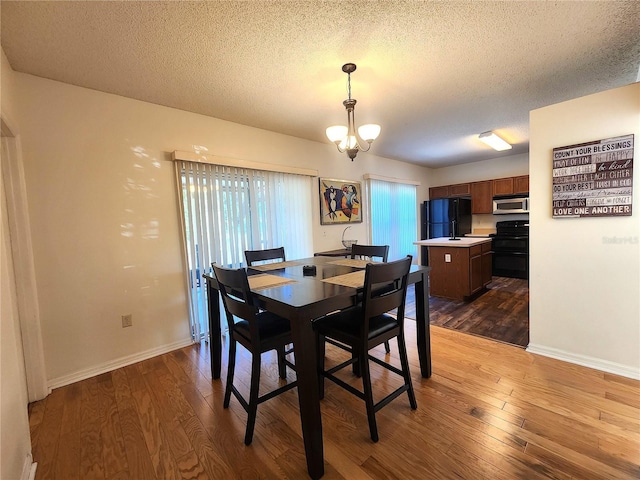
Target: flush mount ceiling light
{"type": "Point", "coordinates": [494, 141]}
{"type": "Point", "coordinates": [345, 137]}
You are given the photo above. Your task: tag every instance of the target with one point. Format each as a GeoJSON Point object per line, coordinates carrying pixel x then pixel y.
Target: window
{"type": "Point", "coordinates": [394, 220]}
{"type": "Point", "coordinates": [227, 210]}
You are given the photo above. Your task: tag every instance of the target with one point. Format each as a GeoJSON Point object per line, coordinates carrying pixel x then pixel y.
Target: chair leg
{"type": "Point", "coordinates": [368, 395]}
{"type": "Point", "coordinates": [231, 367]}
{"type": "Point", "coordinates": [386, 347]}
{"type": "Point", "coordinates": [253, 398]}
{"type": "Point", "coordinates": [320, 353]}
{"type": "Point", "coordinates": [282, 367]}
{"type": "Point", "coordinates": [355, 367]}
{"type": "Point", "coordinates": [404, 362]}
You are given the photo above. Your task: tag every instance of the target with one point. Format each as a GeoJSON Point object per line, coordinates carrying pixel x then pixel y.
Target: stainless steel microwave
{"type": "Point", "coordinates": [506, 204]}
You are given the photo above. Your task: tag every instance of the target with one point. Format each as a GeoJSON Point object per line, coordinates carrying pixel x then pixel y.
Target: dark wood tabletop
{"type": "Point", "coordinates": [340, 252]}
{"type": "Point", "coordinates": [302, 301]}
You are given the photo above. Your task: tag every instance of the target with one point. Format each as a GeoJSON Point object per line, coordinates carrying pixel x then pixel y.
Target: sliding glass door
{"type": "Point", "coordinates": [394, 217]}
{"type": "Point", "coordinates": [227, 210]}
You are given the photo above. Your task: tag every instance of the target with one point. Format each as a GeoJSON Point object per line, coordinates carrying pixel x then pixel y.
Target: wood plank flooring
{"type": "Point", "coordinates": [490, 411]}
{"type": "Point", "coordinates": [501, 313]}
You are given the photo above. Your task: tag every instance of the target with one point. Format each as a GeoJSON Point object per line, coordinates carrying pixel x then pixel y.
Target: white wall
{"type": "Point", "coordinates": [499, 167]}
{"type": "Point", "coordinates": [585, 290]}
{"type": "Point", "coordinates": [104, 215]}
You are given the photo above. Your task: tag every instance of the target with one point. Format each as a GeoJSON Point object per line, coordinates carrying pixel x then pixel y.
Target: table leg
{"type": "Point", "coordinates": [422, 323]}
{"type": "Point", "coordinates": [308, 395]}
{"type": "Point", "coordinates": [215, 331]}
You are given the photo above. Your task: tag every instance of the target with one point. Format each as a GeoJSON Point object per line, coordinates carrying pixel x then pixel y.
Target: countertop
{"type": "Point", "coordinates": [445, 242]}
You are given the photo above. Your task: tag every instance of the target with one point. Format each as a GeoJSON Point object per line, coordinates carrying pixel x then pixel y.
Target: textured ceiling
{"type": "Point", "coordinates": [433, 74]}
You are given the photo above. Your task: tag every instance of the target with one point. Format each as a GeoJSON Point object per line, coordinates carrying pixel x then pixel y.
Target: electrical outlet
{"type": "Point", "coordinates": [127, 320]}
{"type": "Point", "coordinates": [447, 258]}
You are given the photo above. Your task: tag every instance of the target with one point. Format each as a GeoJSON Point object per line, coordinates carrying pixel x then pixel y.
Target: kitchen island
{"type": "Point", "coordinates": [459, 268]}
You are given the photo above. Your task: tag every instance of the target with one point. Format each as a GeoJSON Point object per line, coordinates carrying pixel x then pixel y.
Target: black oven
{"type": "Point", "coordinates": [515, 244]}
{"type": "Point", "coordinates": [511, 264]}
{"type": "Point", "coordinates": [510, 245]}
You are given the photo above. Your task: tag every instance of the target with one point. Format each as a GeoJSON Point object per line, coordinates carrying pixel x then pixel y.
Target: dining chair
{"type": "Point", "coordinates": [365, 326]}
{"type": "Point", "coordinates": [371, 252]}
{"type": "Point", "coordinates": [253, 256]}
{"type": "Point", "coordinates": [258, 331]}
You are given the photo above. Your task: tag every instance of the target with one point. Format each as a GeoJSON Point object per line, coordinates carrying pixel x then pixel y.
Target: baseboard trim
{"type": "Point", "coordinates": [28, 468]}
{"type": "Point", "coordinates": [586, 361]}
{"type": "Point", "coordinates": [115, 364]}
{"type": "Point", "coordinates": [32, 471]}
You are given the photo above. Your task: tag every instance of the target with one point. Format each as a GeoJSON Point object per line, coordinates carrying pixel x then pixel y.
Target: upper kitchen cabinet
{"type": "Point", "coordinates": [447, 191]}
{"type": "Point", "coordinates": [511, 185]}
{"type": "Point", "coordinates": [439, 192]}
{"type": "Point", "coordinates": [482, 197]}
{"type": "Point", "coordinates": [482, 193]}
{"type": "Point", "coordinates": [460, 190]}
{"type": "Point", "coordinates": [521, 184]}
{"type": "Point", "coordinates": [503, 186]}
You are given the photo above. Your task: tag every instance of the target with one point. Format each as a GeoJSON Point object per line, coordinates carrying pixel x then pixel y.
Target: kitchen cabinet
{"type": "Point", "coordinates": [521, 184]}
{"type": "Point", "coordinates": [511, 185]}
{"type": "Point", "coordinates": [459, 269]}
{"type": "Point", "coordinates": [480, 267]}
{"type": "Point", "coordinates": [503, 186]}
{"type": "Point", "coordinates": [449, 270]}
{"type": "Point", "coordinates": [482, 197]}
{"type": "Point", "coordinates": [460, 190]}
{"type": "Point", "coordinates": [439, 192]}
{"type": "Point", "coordinates": [487, 263]}
{"type": "Point", "coordinates": [482, 192]}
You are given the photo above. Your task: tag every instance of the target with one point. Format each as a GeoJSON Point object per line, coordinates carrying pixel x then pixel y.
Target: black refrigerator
{"type": "Point", "coordinates": [439, 217]}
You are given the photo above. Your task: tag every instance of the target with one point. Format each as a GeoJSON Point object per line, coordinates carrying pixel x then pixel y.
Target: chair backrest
{"type": "Point", "coordinates": [393, 277]}
{"type": "Point", "coordinates": [253, 256]}
{"type": "Point", "coordinates": [237, 297]}
{"type": "Point", "coordinates": [370, 251]}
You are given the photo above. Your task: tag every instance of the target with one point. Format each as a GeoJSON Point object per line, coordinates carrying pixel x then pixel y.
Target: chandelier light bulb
{"type": "Point", "coordinates": [337, 133]}
{"type": "Point", "coordinates": [369, 132]}
{"type": "Point", "coordinates": [348, 143]}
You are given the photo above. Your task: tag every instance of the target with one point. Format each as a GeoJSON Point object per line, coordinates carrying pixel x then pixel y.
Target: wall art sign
{"type": "Point", "coordinates": [593, 179]}
{"type": "Point", "coordinates": [340, 201]}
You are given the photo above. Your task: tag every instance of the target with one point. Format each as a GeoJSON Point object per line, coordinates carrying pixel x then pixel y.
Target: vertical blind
{"type": "Point", "coordinates": [227, 210]}
{"type": "Point", "coordinates": [394, 219]}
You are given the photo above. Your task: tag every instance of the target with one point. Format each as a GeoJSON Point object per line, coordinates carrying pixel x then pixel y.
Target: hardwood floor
{"type": "Point", "coordinates": [501, 313]}
{"type": "Point", "coordinates": [490, 411]}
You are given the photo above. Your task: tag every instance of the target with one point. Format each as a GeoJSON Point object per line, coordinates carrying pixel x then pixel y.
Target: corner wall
{"type": "Point", "coordinates": [585, 288]}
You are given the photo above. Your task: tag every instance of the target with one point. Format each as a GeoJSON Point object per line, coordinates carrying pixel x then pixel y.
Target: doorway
{"type": "Point", "coordinates": [21, 254]}
{"type": "Point", "coordinates": [501, 313]}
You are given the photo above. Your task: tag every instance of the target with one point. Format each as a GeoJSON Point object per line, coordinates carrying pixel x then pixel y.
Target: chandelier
{"type": "Point", "coordinates": [345, 137]}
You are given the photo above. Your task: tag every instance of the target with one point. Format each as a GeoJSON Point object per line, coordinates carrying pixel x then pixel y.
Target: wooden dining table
{"type": "Point", "coordinates": [296, 293]}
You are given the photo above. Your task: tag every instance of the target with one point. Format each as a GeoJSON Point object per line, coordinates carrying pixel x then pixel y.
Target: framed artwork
{"type": "Point", "coordinates": [593, 179]}
{"type": "Point", "coordinates": [340, 201]}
